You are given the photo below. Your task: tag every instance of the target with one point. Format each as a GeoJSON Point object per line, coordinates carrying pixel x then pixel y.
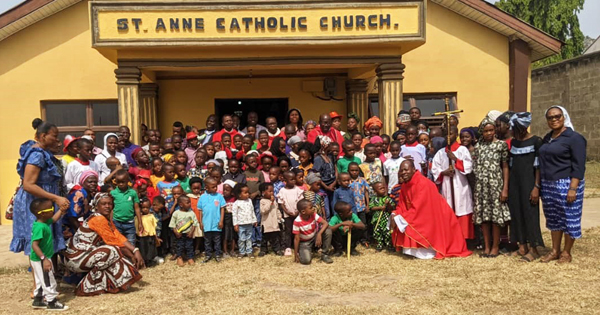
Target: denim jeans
{"type": "Point", "coordinates": [127, 229]}
{"type": "Point", "coordinates": [185, 246]}
{"type": "Point", "coordinates": [212, 244]}
{"type": "Point", "coordinates": [245, 238]}
{"type": "Point", "coordinates": [256, 231]}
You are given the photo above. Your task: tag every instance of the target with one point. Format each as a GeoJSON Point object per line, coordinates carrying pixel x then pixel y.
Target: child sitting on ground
{"type": "Point", "coordinates": [244, 219]}
{"type": "Point", "coordinates": [148, 240]}
{"type": "Point", "coordinates": [212, 211]}
{"type": "Point", "coordinates": [381, 205]}
{"type": "Point", "coordinates": [40, 257]}
{"type": "Point", "coordinates": [343, 221]}
{"type": "Point", "coordinates": [308, 236]}
{"type": "Point", "coordinates": [271, 220]}
{"type": "Point", "coordinates": [183, 223]}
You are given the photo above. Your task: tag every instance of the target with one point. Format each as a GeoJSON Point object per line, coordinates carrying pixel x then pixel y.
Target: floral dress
{"type": "Point", "coordinates": [379, 221]}
{"type": "Point", "coordinates": [487, 166]}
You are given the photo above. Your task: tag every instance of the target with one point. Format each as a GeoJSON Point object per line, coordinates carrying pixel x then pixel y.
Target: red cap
{"type": "Point", "coordinates": [68, 140]}
{"type": "Point", "coordinates": [334, 115]}
{"type": "Point", "coordinates": [191, 135]}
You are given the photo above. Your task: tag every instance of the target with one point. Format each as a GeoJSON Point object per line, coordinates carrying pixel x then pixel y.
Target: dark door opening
{"type": "Point", "coordinates": [264, 107]}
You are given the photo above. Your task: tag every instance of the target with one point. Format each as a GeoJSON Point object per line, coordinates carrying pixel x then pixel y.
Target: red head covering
{"type": "Point", "coordinates": [191, 135]}
{"type": "Point", "coordinates": [68, 140]}
{"type": "Point", "coordinates": [373, 121]}
{"type": "Point", "coordinates": [135, 152]}
{"type": "Point", "coordinates": [334, 115]}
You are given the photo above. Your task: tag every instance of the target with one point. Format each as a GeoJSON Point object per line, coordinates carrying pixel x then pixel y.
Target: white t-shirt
{"type": "Point", "coordinates": [392, 166]}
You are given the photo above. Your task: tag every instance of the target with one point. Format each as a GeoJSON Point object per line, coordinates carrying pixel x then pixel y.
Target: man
{"type": "Point", "coordinates": [423, 224]}
{"type": "Point", "coordinates": [151, 135]}
{"type": "Point", "coordinates": [92, 134]}
{"type": "Point", "coordinates": [252, 120]}
{"type": "Point", "coordinates": [324, 129]}
{"type": "Point", "coordinates": [457, 177]}
{"type": "Point", "coordinates": [273, 130]}
{"type": "Point", "coordinates": [206, 135]}
{"type": "Point", "coordinates": [128, 147]}
{"type": "Point", "coordinates": [192, 148]}
{"type": "Point", "coordinates": [227, 122]}
{"type": "Point", "coordinates": [180, 131]}
{"type": "Point", "coordinates": [415, 115]}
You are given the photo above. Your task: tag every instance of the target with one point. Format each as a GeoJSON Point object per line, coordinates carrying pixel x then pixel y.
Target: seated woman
{"type": "Point", "coordinates": [99, 249]}
{"type": "Point", "coordinates": [79, 198]}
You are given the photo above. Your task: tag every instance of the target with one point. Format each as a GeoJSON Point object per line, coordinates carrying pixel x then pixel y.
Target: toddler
{"type": "Point", "coordinates": [381, 205]}
{"type": "Point", "coordinates": [148, 240]}
{"type": "Point", "coordinates": [271, 221]}
{"type": "Point", "coordinates": [211, 206]}
{"type": "Point", "coordinates": [288, 198]}
{"type": "Point", "coordinates": [244, 219]}
{"type": "Point", "coordinates": [183, 222]}
{"type": "Point", "coordinates": [229, 234]}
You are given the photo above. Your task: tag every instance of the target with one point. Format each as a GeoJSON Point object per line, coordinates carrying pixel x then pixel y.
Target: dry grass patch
{"type": "Point", "coordinates": [373, 283]}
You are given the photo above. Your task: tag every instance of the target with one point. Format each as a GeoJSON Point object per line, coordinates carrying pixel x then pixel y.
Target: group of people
{"type": "Point", "coordinates": [302, 190]}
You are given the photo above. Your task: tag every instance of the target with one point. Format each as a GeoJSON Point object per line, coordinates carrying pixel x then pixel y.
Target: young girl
{"type": "Point", "coordinates": [229, 234]}
{"type": "Point", "coordinates": [181, 157]}
{"type": "Point", "coordinates": [270, 221]}
{"type": "Point", "coordinates": [200, 169]}
{"type": "Point", "coordinates": [313, 180]}
{"type": "Point", "coordinates": [263, 142]}
{"type": "Point", "coordinates": [305, 161]}
{"type": "Point", "coordinates": [194, 195]}
{"type": "Point", "coordinates": [210, 151]}
{"type": "Point", "coordinates": [385, 146]}
{"type": "Point", "coordinates": [299, 174]}
{"type": "Point", "coordinates": [148, 240]}
{"type": "Point", "coordinates": [216, 173]}
{"type": "Point", "coordinates": [80, 164]}
{"type": "Point", "coordinates": [372, 168]}
{"type": "Point", "coordinates": [244, 219]}
{"type": "Point", "coordinates": [157, 174]}
{"type": "Point", "coordinates": [266, 162]}
{"type": "Point", "coordinates": [284, 163]}
{"type": "Point", "coordinates": [159, 210]}
{"type": "Point", "coordinates": [491, 188]}
{"type": "Point", "coordinates": [380, 206]}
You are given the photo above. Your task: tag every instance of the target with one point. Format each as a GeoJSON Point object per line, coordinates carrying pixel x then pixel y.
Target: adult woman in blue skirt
{"type": "Point", "coordinates": [562, 167]}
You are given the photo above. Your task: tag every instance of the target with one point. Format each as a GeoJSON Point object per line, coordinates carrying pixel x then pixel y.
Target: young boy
{"type": "Point", "coordinates": [413, 149]}
{"type": "Point", "coordinates": [372, 168]}
{"type": "Point", "coordinates": [349, 149]}
{"type": "Point", "coordinates": [159, 211]}
{"type": "Point", "coordinates": [307, 234]}
{"type": "Point", "coordinates": [196, 188]}
{"type": "Point", "coordinates": [42, 250]}
{"type": "Point", "coordinates": [392, 165]}
{"type": "Point", "coordinates": [271, 218]}
{"type": "Point", "coordinates": [276, 179]}
{"type": "Point", "coordinates": [199, 169]}
{"type": "Point", "coordinates": [154, 150]}
{"type": "Point", "coordinates": [166, 185]}
{"type": "Point", "coordinates": [380, 207]}
{"type": "Point", "coordinates": [288, 198]}
{"type": "Point", "coordinates": [182, 178]}
{"type": "Point", "coordinates": [126, 207]}
{"type": "Point", "coordinates": [235, 172]}
{"type": "Point", "coordinates": [183, 223]}
{"type": "Point", "coordinates": [343, 192]}
{"type": "Point", "coordinates": [79, 165]}
{"type": "Point", "coordinates": [211, 206]}
{"type": "Point", "coordinates": [342, 222]}
{"type": "Point", "coordinates": [254, 177]}
{"type": "Point", "coordinates": [113, 165]}
{"type": "Point", "coordinates": [360, 190]}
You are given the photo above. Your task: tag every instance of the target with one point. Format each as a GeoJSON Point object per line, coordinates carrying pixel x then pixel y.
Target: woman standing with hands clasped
{"type": "Point", "coordinates": [562, 168]}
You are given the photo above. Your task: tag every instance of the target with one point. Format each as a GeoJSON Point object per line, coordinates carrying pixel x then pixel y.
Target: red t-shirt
{"type": "Point", "coordinates": [307, 229]}
{"type": "Point", "coordinates": [217, 136]}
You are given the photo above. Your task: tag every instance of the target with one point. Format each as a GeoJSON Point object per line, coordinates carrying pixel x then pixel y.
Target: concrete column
{"type": "Point", "coordinates": [128, 82]}
{"type": "Point", "coordinates": [389, 79]}
{"type": "Point", "coordinates": [148, 105]}
{"type": "Point", "coordinates": [358, 98]}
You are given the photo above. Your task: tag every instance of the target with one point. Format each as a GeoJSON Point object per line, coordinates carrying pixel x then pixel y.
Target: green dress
{"type": "Point", "coordinates": [381, 233]}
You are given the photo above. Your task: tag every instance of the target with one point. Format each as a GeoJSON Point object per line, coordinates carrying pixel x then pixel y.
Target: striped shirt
{"type": "Point", "coordinates": [307, 229]}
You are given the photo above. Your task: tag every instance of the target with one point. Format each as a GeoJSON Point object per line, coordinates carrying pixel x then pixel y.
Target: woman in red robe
{"type": "Point", "coordinates": [423, 224]}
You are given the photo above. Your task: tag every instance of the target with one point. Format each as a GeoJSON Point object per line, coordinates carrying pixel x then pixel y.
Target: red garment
{"type": "Point", "coordinates": [217, 136]}
{"type": "Point", "coordinates": [280, 135]}
{"type": "Point", "coordinates": [333, 134]}
{"type": "Point", "coordinates": [431, 222]}
{"type": "Point", "coordinates": [466, 226]}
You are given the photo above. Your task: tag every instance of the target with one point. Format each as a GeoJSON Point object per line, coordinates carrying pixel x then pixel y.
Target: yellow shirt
{"type": "Point", "coordinates": [155, 180]}
{"type": "Point", "coordinates": [149, 224]}
{"type": "Point", "coordinates": [68, 159]}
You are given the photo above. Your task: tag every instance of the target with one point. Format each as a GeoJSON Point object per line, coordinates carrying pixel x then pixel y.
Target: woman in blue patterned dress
{"type": "Point", "coordinates": [41, 175]}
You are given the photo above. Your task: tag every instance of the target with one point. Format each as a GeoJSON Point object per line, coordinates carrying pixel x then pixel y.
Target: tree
{"type": "Point", "coordinates": [555, 17]}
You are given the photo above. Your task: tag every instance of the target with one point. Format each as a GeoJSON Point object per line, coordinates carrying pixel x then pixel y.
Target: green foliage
{"type": "Point", "coordinates": [555, 17]}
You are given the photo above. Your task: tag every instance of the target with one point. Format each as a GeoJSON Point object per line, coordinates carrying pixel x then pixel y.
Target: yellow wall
{"type": "Point", "coordinates": [191, 101]}
{"type": "Point", "coordinates": [460, 56]}
{"type": "Point", "coordinates": [50, 60]}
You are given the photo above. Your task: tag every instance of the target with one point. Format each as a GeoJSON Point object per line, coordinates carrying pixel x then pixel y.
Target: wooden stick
{"type": "Point", "coordinates": [349, 243]}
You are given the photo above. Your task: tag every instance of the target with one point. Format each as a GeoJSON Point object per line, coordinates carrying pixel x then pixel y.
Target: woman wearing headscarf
{"type": "Point", "coordinates": [373, 126]}
{"type": "Point", "coordinates": [80, 198]}
{"type": "Point", "coordinates": [562, 168]}
{"type": "Point", "coordinates": [98, 249]}
{"type": "Point", "coordinates": [352, 126]}
{"type": "Point", "coordinates": [523, 188]}
{"type": "Point", "coordinates": [111, 143]}
{"type": "Point", "coordinates": [503, 131]}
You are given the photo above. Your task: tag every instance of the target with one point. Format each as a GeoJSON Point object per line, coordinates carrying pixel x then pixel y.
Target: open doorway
{"type": "Point", "coordinates": [264, 107]}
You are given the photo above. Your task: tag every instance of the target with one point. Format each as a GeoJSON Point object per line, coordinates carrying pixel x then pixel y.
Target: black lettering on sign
{"type": "Point", "coordinates": [373, 20]}
{"type": "Point", "coordinates": [174, 24]}
{"type": "Point", "coordinates": [136, 23]}
{"type": "Point", "coordinates": [259, 23]}
{"type": "Point", "coordinates": [281, 24]}
{"type": "Point", "coordinates": [199, 24]}
{"type": "Point", "coordinates": [234, 25]}
{"type": "Point", "coordinates": [302, 23]}
{"type": "Point", "coordinates": [348, 21]}
{"type": "Point", "coordinates": [272, 23]}
{"type": "Point", "coordinates": [387, 20]}
{"type": "Point", "coordinates": [160, 24]}
{"type": "Point", "coordinates": [247, 21]}
{"type": "Point", "coordinates": [122, 24]}
{"type": "Point", "coordinates": [220, 22]}
{"type": "Point", "coordinates": [323, 22]}
{"type": "Point", "coordinates": [186, 24]}
{"type": "Point", "coordinates": [293, 22]}
{"type": "Point", "coordinates": [336, 22]}
{"type": "Point", "coordinates": [360, 21]}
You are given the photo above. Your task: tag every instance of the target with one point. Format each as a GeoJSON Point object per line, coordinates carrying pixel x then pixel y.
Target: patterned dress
{"type": "Point", "coordinates": [94, 250]}
{"type": "Point", "coordinates": [381, 233]}
{"type": "Point", "coordinates": [372, 172]}
{"type": "Point", "coordinates": [317, 201]}
{"type": "Point", "coordinates": [487, 166]}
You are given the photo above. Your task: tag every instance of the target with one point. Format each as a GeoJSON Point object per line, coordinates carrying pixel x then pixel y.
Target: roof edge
{"type": "Point", "coordinates": [21, 10]}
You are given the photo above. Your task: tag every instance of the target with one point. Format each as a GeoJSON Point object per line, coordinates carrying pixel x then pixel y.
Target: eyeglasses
{"type": "Point", "coordinates": [555, 117]}
{"type": "Point", "coordinates": [46, 210]}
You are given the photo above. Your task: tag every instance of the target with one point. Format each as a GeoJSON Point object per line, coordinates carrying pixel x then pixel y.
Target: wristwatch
{"type": "Point", "coordinates": [42, 258]}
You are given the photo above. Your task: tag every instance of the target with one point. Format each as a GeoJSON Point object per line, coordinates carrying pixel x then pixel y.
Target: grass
{"type": "Point", "coordinates": [373, 283]}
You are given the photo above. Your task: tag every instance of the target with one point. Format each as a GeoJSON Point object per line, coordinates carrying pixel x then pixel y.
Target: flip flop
{"type": "Point", "coordinates": [484, 255]}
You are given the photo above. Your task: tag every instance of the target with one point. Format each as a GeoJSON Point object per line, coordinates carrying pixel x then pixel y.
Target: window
{"type": "Point", "coordinates": [429, 103]}
{"type": "Point", "coordinates": [74, 117]}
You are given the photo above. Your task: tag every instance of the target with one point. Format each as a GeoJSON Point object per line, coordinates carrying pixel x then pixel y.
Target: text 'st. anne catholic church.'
{"type": "Point", "coordinates": [102, 64]}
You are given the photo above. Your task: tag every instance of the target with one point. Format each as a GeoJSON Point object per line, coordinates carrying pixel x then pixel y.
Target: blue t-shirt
{"type": "Point", "coordinates": [164, 188]}
{"type": "Point", "coordinates": [210, 205]}
{"type": "Point", "coordinates": [344, 194]}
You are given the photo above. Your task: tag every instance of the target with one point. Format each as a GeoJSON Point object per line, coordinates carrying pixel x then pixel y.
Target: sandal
{"type": "Point", "coordinates": [515, 254]}
{"type": "Point", "coordinates": [529, 257]}
{"type": "Point", "coordinates": [564, 258]}
{"type": "Point", "coordinates": [549, 257]}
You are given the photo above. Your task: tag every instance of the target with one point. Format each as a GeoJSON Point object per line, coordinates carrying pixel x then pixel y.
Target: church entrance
{"type": "Point", "coordinates": [265, 107]}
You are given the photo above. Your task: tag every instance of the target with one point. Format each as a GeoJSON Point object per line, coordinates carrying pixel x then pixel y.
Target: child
{"type": "Point", "coordinates": [334, 151]}
{"type": "Point", "coordinates": [157, 174]}
{"type": "Point", "coordinates": [349, 149]}
{"type": "Point", "coordinates": [254, 177]}
{"type": "Point", "coordinates": [126, 207]}
{"type": "Point", "coordinates": [343, 192]}
{"type": "Point", "coordinates": [392, 165]}
{"type": "Point", "coordinates": [182, 178]}
{"type": "Point", "coordinates": [148, 240]}
{"type": "Point", "coordinates": [305, 161]}
{"type": "Point", "coordinates": [343, 221]}
{"type": "Point", "coordinates": [210, 151]}
{"type": "Point", "coordinates": [142, 162]}
{"type": "Point", "coordinates": [237, 144]}
{"type": "Point", "coordinates": [159, 210]}
{"type": "Point", "coordinates": [413, 149]}
{"type": "Point", "coordinates": [266, 162]}
{"type": "Point", "coordinates": [378, 142]}
{"type": "Point", "coordinates": [263, 142]}
{"type": "Point", "coordinates": [194, 195]}
{"type": "Point", "coordinates": [275, 178]}
{"type": "Point", "coordinates": [424, 140]}
{"type": "Point", "coordinates": [300, 179]}
{"type": "Point", "coordinates": [247, 142]}
{"type": "Point", "coordinates": [212, 211]}
{"type": "Point", "coordinates": [216, 173]}
{"type": "Point", "coordinates": [199, 170]}
{"type": "Point", "coordinates": [288, 198]}
{"type": "Point", "coordinates": [244, 219]}
{"type": "Point", "coordinates": [385, 146]}
{"type": "Point", "coordinates": [307, 235]}
{"type": "Point", "coordinates": [360, 190]}
{"type": "Point", "coordinates": [313, 194]}
{"type": "Point", "coordinates": [372, 168]}
{"type": "Point", "coordinates": [113, 164]}
{"type": "Point", "coordinates": [40, 257]}
{"type": "Point", "coordinates": [181, 157]}
{"type": "Point", "coordinates": [229, 234]}
{"type": "Point", "coordinates": [166, 185]}
{"type": "Point", "coordinates": [235, 172]}
{"type": "Point", "coordinates": [183, 223]}
{"type": "Point", "coordinates": [271, 219]}
{"type": "Point", "coordinates": [80, 164]}
{"type": "Point", "coordinates": [359, 152]}
{"type": "Point", "coordinates": [154, 150]}
{"type": "Point", "coordinates": [381, 206]}
{"type": "Point", "coordinates": [70, 148]}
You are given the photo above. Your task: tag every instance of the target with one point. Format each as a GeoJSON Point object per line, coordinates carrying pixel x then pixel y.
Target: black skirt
{"type": "Point", "coordinates": [148, 247]}
{"type": "Point", "coordinates": [228, 231]}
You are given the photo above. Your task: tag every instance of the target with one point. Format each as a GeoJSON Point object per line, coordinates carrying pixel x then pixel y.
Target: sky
{"type": "Point", "coordinates": [588, 17]}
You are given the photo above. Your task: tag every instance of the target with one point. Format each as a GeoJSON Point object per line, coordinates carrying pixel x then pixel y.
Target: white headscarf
{"type": "Point", "coordinates": [494, 114]}
{"type": "Point", "coordinates": [568, 122]}
{"type": "Point", "coordinates": [106, 138]}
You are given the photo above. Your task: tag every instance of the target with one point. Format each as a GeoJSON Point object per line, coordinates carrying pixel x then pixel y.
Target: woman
{"type": "Point", "coordinates": [294, 118]}
{"type": "Point", "coordinates": [308, 127]}
{"type": "Point", "coordinates": [98, 249]}
{"type": "Point", "coordinates": [562, 168]}
{"type": "Point", "coordinates": [80, 197]}
{"type": "Point", "coordinates": [503, 131]}
{"type": "Point", "coordinates": [324, 165]}
{"type": "Point", "coordinates": [523, 187]}
{"type": "Point", "coordinates": [352, 126]}
{"type": "Point", "coordinates": [111, 144]}
{"type": "Point", "coordinates": [41, 175]}
{"type": "Point", "coordinates": [278, 146]}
